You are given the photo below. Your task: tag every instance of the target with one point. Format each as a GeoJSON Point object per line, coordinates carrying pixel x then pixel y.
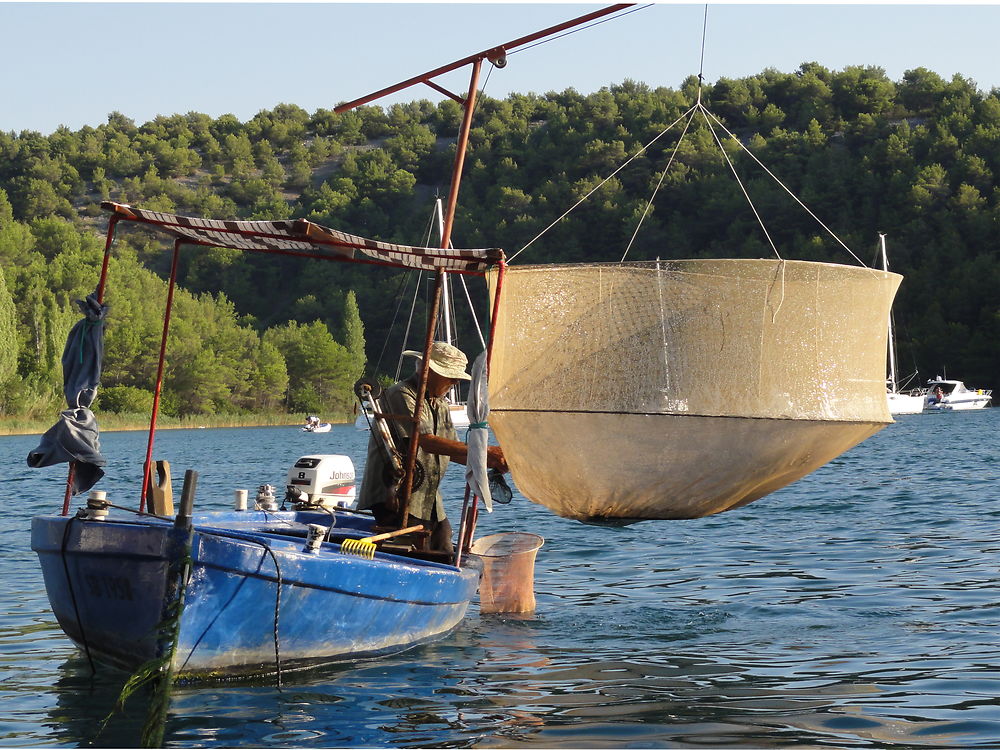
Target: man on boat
{"type": "Point", "coordinates": [438, 444]}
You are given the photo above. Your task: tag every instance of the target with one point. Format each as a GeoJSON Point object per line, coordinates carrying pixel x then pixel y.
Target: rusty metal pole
{"type": "Point", "coordinates": [449, 219]}
{"type": "Point", "coordinates": [171, 285]}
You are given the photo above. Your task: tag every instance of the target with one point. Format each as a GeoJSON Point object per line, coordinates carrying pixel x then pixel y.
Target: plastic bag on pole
{"type": "Point", "coordinates": [477, 439]}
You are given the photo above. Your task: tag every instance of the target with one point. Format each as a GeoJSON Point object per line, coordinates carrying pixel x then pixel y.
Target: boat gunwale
{"type": "Point", "coordinates": [286, 545]}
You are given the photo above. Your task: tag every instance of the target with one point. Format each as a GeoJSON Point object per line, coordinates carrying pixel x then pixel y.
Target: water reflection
{"type": "Point", "coordinates": [502, 681]}
{"type": "Point", "coordinates": [855, 608]}
{"type": "Point", "coordinates": [84, 699]}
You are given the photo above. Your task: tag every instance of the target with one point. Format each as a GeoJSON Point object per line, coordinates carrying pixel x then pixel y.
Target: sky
{"type": "Point", "coordinates": [74, 63]}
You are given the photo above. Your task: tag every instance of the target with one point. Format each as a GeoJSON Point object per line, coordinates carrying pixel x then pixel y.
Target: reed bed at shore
{"type": "Point", "coordinates": [112, 422]}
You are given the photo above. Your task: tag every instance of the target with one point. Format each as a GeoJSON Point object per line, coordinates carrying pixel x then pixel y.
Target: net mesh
{"type": "Point", "coordinates": [508, 580]}
{"type": "Point", "coordinates": [682, 388]}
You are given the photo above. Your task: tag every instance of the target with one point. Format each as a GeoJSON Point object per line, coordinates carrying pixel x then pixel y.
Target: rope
{"type": "Point", "coordinates": [774, 313]}
{"type": "Point", "coordinates": [628, 161]}
{"type": "Point", "coordinates": [140, 512]}
{"type": "Point", "coordinates": [739, 182]}
{"type": "Point", "coordinates": [784, 187]}
{"type": "Point", "coordinates": [472, 310]}
{"type": "Point", "coordinates": [72, 596]}
{"type": "Point", "coordinates": [709, 118]}
{"type": "Point", "coordinates": [404, 277]}
{"type": "Point", "coordinates": [277, 593]}
{"type": "Point", "coordinates": [277, 608]}
{"type": "Point", "coordinates": [82, 334]}
{"type": "Point", "coordinates": [701, 64]}
{"type": "Point", "coordinates": [581, 28]}
{"type": "Point", "coordinates": [659, 184]}
{"type": "Point", "coordinates": [267, 548]}
{"type": "Point", "coordinates": [409, 323]}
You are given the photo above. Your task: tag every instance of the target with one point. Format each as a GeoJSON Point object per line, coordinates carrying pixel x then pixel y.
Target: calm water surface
{"type": "Point", "coordinates": [856, 608]}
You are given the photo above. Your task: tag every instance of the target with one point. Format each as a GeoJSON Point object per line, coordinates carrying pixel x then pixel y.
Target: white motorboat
{"type": "Point", "coordinates": [314, 425]}
{"type": "Point", "coordinates": [952, 395]}
{"type": "Point", "coordinates": [900, 402]}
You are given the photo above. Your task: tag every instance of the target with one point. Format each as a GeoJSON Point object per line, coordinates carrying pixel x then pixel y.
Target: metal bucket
{"type": "Point", "coordinates": [508, 582]}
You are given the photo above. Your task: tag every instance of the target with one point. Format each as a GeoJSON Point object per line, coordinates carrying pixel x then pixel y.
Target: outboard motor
{"type": "Point", "coordinates": [323, 480]}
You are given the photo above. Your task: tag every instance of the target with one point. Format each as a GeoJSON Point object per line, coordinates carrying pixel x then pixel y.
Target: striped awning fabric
{"type": "Point", "coordinates": [302, 237]}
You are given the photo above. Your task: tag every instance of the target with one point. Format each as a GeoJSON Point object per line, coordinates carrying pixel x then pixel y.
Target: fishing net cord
{"type": "Point", "coordinates": [709, 118]}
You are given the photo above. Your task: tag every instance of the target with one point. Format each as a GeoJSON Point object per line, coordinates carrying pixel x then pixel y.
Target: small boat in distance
{"type": "Point", "coordinates": [314, 425]}
{"type": "Point", "coordinates": [900, 402]}
{"type": "Point", "coordinates": [952, 395]}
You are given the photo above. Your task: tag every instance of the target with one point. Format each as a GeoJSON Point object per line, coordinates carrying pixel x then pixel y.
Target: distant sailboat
{"type": "Point", "coordinates": [899, 402]}
{"type": "Point", "coordinates": [456, 407]}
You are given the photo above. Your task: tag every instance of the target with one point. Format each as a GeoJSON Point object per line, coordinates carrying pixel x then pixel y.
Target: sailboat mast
{"type": "Point", "coordinates": [892, 341]}
{"type": "Point", "coordinates": [446, 290]}
{"type": "Point", "coordinates": [446, 302]}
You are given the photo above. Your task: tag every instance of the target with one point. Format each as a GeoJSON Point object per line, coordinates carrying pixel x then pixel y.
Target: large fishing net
{"type": "Point", "coordinates": [678, 389]}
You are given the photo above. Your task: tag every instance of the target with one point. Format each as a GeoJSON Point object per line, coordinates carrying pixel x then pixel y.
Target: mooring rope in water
{"type": "Point", "coordinates": [159, 670]}
{"type": "Point", "coordinates": [231, 535]}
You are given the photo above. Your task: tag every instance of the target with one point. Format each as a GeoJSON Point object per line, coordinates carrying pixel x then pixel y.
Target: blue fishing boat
{"type": "Point", "coordinates": [257, 598]}
{"type": "Point", "coordinates": [243, 592]}
{"type": "Point", "coordinates": [261, 590]}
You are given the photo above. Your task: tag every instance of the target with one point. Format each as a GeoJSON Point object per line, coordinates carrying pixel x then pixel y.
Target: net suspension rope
{"type": "Point", "coordinates": [783, 186]}
{"type": "Point", "coordinates": [659, 184]}
{"type": "Point", "coordinates": [712, 122]}
{"type": "Point", "coordinates": [601, 184]}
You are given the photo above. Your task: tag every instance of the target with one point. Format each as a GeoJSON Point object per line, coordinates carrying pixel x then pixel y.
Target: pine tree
{"type": "Point", "coordinates": [352, 335]}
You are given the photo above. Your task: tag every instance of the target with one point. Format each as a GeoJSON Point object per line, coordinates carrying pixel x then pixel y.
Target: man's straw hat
{"type": "Point", "coordinates": [446, 360]}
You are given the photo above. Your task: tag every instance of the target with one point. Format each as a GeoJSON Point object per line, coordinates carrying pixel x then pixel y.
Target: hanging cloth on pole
{"type": "Point", "coordinates": [75, 436]}
{"type": "Point", "coordinates": [477, 439]}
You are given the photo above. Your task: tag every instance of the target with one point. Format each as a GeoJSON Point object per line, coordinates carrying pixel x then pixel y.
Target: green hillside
{"type": "Point", "coordinates": [918, 159]}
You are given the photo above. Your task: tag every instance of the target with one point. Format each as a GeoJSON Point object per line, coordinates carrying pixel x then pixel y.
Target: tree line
{"type": "Point", "coordinates": [918, 159]}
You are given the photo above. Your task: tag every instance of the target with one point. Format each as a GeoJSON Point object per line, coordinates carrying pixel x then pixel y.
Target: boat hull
{"type": "Point", "coordinates": [980, 402]}
{"type": "Point", "coordinates": [903, 403]}
{"type": "Point", "coordinates": [106, 582]}
{"type": "Point", "coordinates": [713, 463]}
